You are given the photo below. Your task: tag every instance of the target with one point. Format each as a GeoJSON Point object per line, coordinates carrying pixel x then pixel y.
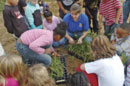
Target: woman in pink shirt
{"type": "Point", "coordinates": [50, 22]}
{"type": "Point", "coordinates": [35, 45]}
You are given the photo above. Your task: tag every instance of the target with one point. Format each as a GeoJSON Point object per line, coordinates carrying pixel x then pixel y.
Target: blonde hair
{"type": "Point", "coordinates": [38, 76]}
{"type": "Point", "coordinates": [11, 66]}
{"type": "Point", "coordinates": [2, 81]}
{"type": "Point", "coordinates": [12, 2]}
{"type": "Point", "coordinates": [103, 47]}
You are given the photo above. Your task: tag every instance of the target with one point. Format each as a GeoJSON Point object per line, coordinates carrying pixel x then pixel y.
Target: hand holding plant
{"type": "Point", "coordinates": [55, 53]}
{"type": "Point", "coordinates": [80, 41]}
{"type": "Point", "coordinates": [48, 51]}
{"type": "Point", "coordinates": [71, 41]}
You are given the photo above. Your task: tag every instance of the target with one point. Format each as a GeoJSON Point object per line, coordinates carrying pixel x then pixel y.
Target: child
{"type": "Point", "coordinates": [43, 5]}
{"type": "Point", "coordinates": [121, 39]}
{"type": "Point", "coordinates": [127, 79]}
{"type": "Point", "coordinates": [91, 77]}
{"type": "Point", "coordinates": [35, 45]}
{"type": "Point", "coordinates": [33, 14]}
{"type": "Point", "coordinates": [22, 5]}
{"type": "Point", "coordinates": [11, 70]}
{"type": "Point", "coordinates": [38, 76]}
{"type": "Point", "coordinates": [79, 79]}
{"type": "Point", "coordinates": [50, 22]}
{"type": "Point", "coordinates": [111, 10]}
{"type": "Point", "coordinates": [108, 66]}
{"type": "Point", "coordinates": [13, 20]}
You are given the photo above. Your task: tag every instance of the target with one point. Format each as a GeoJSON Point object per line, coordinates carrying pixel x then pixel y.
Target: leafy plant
{"type": "Point", "coordinates": [81, 51]}
{"type": "Point", "coordinates": [1, 4]}
{"type": "Point", "coordinates": [124, 58]}
{"type": "Point", "coordinates": [56, 68]}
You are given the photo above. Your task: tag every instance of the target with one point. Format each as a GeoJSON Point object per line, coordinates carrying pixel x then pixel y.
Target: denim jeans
{"type": "Point", "coordinates": [64, 40]}
{"type": "Point", "coordinates": [110, 29]}
{"type": "Point", "coordinates": [31, 57]}
{"type": "Point", "coordinates": [126, 10]}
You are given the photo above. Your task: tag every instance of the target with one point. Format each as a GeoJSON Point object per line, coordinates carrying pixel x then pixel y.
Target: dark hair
{"type": "Point", "coordinates": [47, 14]}
{"type": "Point", "coordinates": [61, 29]}
{"type": "Point", "coordinates": [79, 79]}
{"type": "Point", "coordinates": [125, 26]}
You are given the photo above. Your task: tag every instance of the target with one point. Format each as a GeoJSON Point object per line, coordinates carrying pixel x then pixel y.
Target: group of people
{"type": "Point", "coordinates": [36, 39]}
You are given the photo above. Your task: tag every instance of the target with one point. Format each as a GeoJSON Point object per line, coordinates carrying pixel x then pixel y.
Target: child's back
{"type": "Point", "coordinates": [13, 20]}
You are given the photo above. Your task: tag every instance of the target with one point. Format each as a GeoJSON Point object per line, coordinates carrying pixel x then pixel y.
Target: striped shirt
{"type": "Point", "coordinates": [109, 10]}
{"type": "Point", "coordinates": [36, 39]}
{"type": "Point", "coordinates": [127, 80]}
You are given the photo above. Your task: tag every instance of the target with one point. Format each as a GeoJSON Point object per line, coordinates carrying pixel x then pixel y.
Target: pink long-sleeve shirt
{"type": "Point", "coordinates": [36, 39]}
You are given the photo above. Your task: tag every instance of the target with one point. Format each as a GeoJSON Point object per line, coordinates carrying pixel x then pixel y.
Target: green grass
{"type": "Point", "coordinates": [1, 4]}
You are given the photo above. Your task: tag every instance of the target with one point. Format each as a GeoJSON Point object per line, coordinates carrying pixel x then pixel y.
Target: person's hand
{"type": "Point", "coordinates": [79, 41]}
{"type": "Point", "coordinates": [55, 53]}
{"type": "Point", "coordinates": [91, 17]}
{"type": "Point", "coordinates": [71, 41]}
{"type": "Point", "coordinates": [66, 11]}
{"type": "Point", "coordinates": [115, 25]}
{"type": "Point", "coordinates": [48, 51]}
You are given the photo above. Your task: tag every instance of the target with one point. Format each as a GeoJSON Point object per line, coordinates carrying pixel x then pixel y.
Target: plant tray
{"type": "Point", "coordinates": [64, 79]}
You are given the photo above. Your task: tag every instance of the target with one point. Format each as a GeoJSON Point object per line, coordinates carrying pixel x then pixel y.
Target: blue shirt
{"type": "Point", "coordinates": [80, 25]}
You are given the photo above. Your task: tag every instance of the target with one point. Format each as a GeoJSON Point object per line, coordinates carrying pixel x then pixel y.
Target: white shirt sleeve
{"type": "Point", "coordinates": [94, 67]}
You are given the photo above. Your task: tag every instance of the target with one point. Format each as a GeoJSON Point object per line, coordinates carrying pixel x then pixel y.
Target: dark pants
{"type": "Point", "coordinates": [61, 13]}
{"type": "Point", "coordinates": [95, 22]}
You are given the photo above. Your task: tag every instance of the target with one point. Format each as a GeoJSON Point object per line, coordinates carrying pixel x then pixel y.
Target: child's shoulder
{"type": "Point", "coordinates": [11, 82]}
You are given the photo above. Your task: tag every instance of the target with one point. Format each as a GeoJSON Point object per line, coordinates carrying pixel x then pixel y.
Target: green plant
{"type": "Point", "coordinates": [56, 68]}
{"type": "Point", "coordinates": [124, 58]}
{"type": "Point", "coordinates": [82, 51]}
{"type": "Point", "coordinates": [1, 4]}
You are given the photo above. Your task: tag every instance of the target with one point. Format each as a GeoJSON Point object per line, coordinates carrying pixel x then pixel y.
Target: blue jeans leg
{"type": "Point", "coordinates": [79, 34]}
{"type": "Point", "coordinates": [29, 55]}
{"type": "Point", "coordinates": [126, 10]}
{"type": "Point", "coordinates": [61, 42]}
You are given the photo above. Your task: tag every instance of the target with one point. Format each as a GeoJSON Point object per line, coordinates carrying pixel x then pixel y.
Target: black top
{"type": "Point", "coordinates": [91, 4]}
{"type": "Point", "coordinates": [21, 4]}
{"type": "Point", "coordinates": [13, 20]}
{"type": "Point", "coordinates": [67, 3]}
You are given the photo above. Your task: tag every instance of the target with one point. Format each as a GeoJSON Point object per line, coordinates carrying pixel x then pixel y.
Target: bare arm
{"type": "Point", "coordinates": [84, 35]}
{"type": "Point", "coordinates": [100, 21]}
{"type": "Point", "coordinates": [71, 41]}
{"type": "Point", "coordinates": [67, 36]}
{"type": "Point", "coordinates": [118, 15]}
{"type": "Point", "coordinates": [61, 7]}
{"type": "Point", "coordinates": [80, 40]}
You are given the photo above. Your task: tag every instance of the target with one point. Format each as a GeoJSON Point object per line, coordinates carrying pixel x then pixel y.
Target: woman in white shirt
{"type": "Point", "coordinates": [108, 66]}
